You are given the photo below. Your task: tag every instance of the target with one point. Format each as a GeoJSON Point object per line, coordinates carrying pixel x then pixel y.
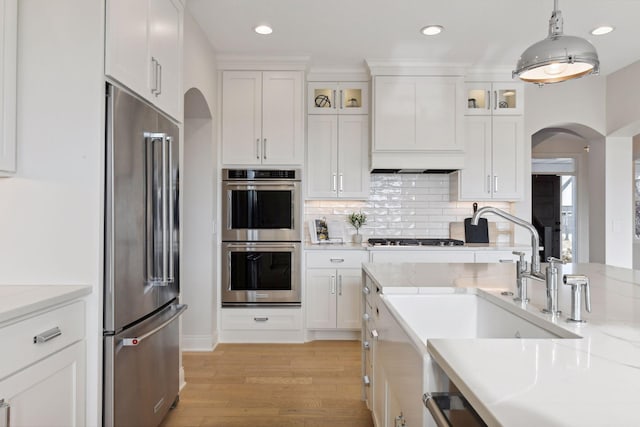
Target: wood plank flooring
{"type": "Point", "coordinates": [315, 384]}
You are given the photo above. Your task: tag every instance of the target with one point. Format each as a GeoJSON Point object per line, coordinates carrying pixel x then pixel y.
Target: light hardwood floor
{"type": "Point", "coordinates": [316, 384]}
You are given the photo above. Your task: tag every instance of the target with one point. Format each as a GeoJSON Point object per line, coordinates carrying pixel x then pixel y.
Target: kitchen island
{"type": "Point", "coordinates": [592, 380]}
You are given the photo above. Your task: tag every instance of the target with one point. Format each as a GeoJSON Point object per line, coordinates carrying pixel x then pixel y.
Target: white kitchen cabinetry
{"type": "Point", "coordinates": [494, 165]}
{"type": "Point", "coordinates": [499, 256]}
{"type": "Point", "coordinates": [486, 98]}
{"type": "Point", "coordinates": [338, 98]}
{"type": "Point", "coordinates": [144, 50]}
{"type": "Point", "coordinates": [262, 118]}
{"type": "Point", "coordinates": [8, 66]}
{"type": "Point", "coordinates": [417, 115]}
{"type": "Point", "coordinates": [42, 378]}
{"type": "Point", "coordinates": [445, 255]}
{"type": "Point", "coordinates": [337, 156]}
{"type": "Point", "coordinates": [261, 325]}
{"type": "Point", "coordinates": [333, 289]}
{"type": "Point", "coordinates": [494, 144]}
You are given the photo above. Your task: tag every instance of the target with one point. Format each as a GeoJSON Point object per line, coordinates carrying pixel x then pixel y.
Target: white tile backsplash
{"type": "Point", "coordinates": [409, 205]}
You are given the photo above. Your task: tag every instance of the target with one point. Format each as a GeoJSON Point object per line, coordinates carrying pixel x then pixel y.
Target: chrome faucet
{"type": "Point", "coordinates": [551, 276]}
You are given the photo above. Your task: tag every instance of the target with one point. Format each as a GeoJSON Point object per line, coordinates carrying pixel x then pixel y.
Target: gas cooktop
{"type": "Point", "coordinates": [393, 241]}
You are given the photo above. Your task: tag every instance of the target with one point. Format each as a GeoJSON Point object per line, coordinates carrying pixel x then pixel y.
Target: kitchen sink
{"type": "Point", "coordinates": [462, 316]}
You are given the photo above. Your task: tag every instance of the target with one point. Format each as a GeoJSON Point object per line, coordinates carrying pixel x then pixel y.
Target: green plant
{"type": "Point", "coordinates": [357, 219]}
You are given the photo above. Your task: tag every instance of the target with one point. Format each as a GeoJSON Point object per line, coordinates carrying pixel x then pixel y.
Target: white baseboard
{"type": "Point", "coordinates": [333, 335]}
{"type": "Point", "coordinates": [199, 342]}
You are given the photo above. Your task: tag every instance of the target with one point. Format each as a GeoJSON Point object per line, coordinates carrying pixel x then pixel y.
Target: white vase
{"type": "Point", "coordinates": [357, 238]}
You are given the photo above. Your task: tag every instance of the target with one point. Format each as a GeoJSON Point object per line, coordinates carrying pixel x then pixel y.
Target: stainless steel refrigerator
{"type": "Point", "coordinates": [141, 334]}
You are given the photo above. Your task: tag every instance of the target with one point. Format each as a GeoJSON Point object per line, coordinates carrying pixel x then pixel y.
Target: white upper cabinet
{"type": "Point", "coordinates": [486, 98]}
{"type": "Point", "coordinates": [338, 98]}
{"type": "Point", "coordinates": [337, 157]}
{"type": "Point", "coordinates": [144, 50]}
{"type": "Point", "coordinates": [494, 160]}
{"type": "Point", "coordinates": [417, 114]}
{"type": "Point", "coordinates": [8, 64]}
{"type": "Point", "coordinates": [262, 118]}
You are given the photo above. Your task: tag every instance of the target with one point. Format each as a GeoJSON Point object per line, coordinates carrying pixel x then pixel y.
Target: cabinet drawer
{"type": "Point", "coordinates": [18, 337]}
{"type": "Point", "coordinates": [499, 256]}
{"type": "Point", "coordinates": [336, 259]}
{"type": "Point", "coordinates": [261, 319]}
{"type": "Point", "coordinates": [423, 256]}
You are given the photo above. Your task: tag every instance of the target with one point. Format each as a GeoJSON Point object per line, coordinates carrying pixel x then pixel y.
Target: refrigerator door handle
{"type": "Point", "coordinates": [170, 201]}
{"type": "Point", "coordinates": [157, 210]}
{"type": "Point", "coordinates": [134, 341]}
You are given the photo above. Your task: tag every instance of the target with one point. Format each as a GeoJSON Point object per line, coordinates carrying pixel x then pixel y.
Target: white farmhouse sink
{"type": "Point", "coordinates": [454, 316]}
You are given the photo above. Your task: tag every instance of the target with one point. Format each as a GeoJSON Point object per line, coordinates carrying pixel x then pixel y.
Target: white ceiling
{"type": "Point", "coordinates": [341, 34]}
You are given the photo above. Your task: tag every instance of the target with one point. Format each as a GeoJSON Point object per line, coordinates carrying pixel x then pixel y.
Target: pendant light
{"type": "Point", "coordinates": [558, 57]}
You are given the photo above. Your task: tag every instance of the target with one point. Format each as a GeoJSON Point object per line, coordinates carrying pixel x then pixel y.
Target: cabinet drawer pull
{"type": "Point", "coordinates": [366, 380]}
{"type": "Point", "coordinates": [336, 259]}
{"type": "Point", "coordinates": [366, 345]}
{"type": "Point", "coordinates": [366, 317]}
{"type": "Point", "coordinates": [366, 291]}
{"type": "Point", "coordinates": [260, 319]}
{"type": "Point", "coordinates": [5, 414]}
{"type": "Point", "coordinates": [47, 335]}
{"type": "Point", "coordinates": [374, 334]}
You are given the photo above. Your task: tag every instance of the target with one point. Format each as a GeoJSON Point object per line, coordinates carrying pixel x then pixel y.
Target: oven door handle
{"type": "Point", "coordinates": [436, 412]}
{"type": "Point", "coordinates": [252, 245]}
{"type": "Point", "coordinates": [255, 185]}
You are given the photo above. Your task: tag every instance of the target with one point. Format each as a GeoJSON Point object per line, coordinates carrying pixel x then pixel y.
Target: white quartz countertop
{"type": "Point", "coordinates": [589, 381]}
{"type": "Point", "coordinates": [20, 300]}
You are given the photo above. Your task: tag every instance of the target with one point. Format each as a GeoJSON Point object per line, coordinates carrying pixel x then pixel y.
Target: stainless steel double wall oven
{"type": "Point", "coordinates": [261, 235]}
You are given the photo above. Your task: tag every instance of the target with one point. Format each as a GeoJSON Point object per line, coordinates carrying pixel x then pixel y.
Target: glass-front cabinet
{"type": "Point", "coordinates": [493, 99]}
{"type": "Point", "coordinates": [338, 98]}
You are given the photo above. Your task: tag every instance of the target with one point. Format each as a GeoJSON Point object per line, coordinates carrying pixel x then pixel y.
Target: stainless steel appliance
{"type": "Point", "coordinates": [142, 277]}
{"type": "Point", "coordinates": [261, 234]}
{"type": "Point", "coordinates": [261, 205]}
{"type": "Point", "coordinates": [395, 241]}
{"type": "Point", "coordinates": [261, 273]}
{"type": "Point", "coordinates": [451, 409]}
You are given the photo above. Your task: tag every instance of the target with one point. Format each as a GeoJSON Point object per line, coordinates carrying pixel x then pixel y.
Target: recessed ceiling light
{"type": "Point", "coordinates": [432, 30]}
{"type": "Point", "coordinates": [263, 29]}
{"type": "Point", "coordinates": [605, 29]}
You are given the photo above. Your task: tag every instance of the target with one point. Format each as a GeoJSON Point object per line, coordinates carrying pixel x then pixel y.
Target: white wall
{"type": "Point", "coordinates": [564, 145]}
{"type": "Point", "coordinates": [51, 216]}
{"type": "Point", "coordinates": [623, 124]}
{"type": "Point", "coordinates": [623, 95]}
{"type": "Point", "coordinates": [582, 102]}
{"type": "Point", "coordinates": [199, 247]}
{"type": "Point", "coordinates": [619, 201]}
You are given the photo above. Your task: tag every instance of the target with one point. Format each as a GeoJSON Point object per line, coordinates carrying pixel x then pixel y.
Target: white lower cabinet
{"type": "Point", "coordinates": [333, 295]}
{"type": "Point", "coordinates": [398, 375]}
{"type": "Point", "coordinates": [49, 393]}
{"type": "Point", "coordinates": [43, 376]}
{"type": "Point", "coordinates": [423, 256]}
{"type": "Point", "coordinates": [500, 256]}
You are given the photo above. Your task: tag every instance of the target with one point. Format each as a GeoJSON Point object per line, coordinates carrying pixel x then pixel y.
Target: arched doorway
{"type": "Point", "coordinates": [199, 249]}
{"type": "Point", "coordinates": [570, 156]}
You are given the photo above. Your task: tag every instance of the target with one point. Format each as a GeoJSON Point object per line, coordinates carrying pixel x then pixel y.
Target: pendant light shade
{"type": "Point", "coordinates": [558, 57]}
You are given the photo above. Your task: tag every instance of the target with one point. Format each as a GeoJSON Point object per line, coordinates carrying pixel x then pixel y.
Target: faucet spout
{"type": "Point", "coordinates": [535, 238]}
